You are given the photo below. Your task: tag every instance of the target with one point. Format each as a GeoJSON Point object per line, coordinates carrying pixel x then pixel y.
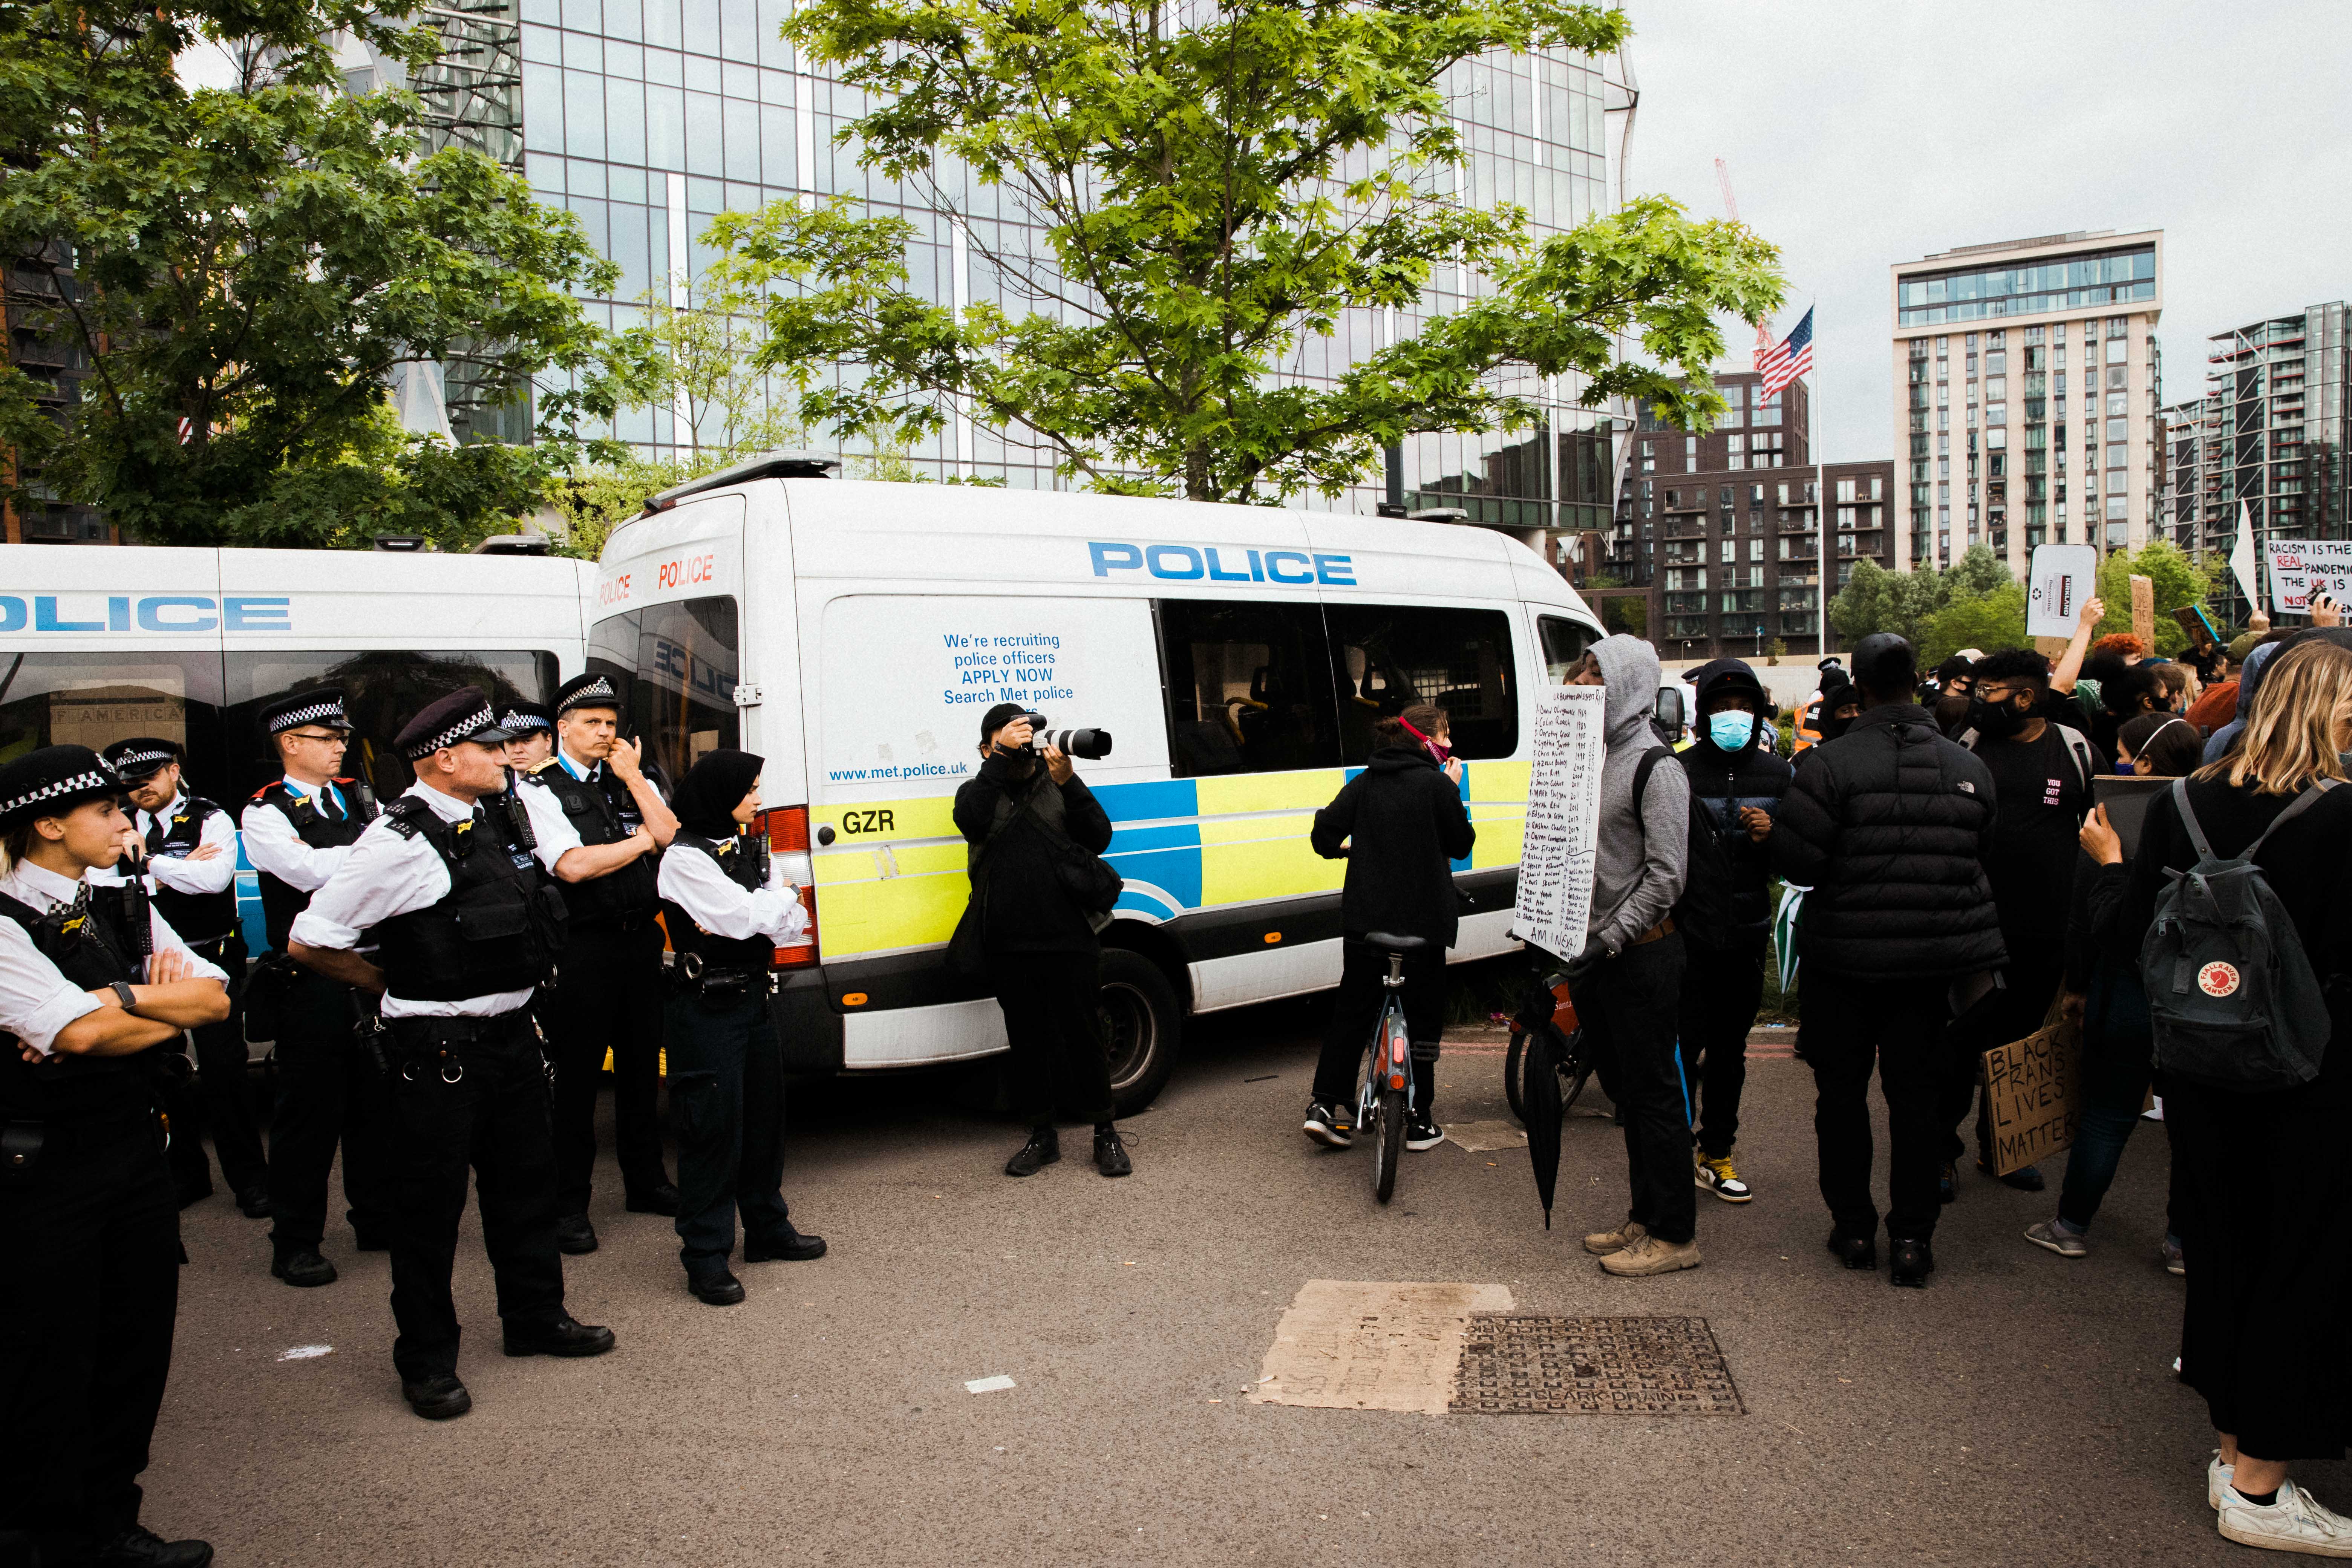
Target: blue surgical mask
{"type": "Point", "coordinates": [1730, 731]}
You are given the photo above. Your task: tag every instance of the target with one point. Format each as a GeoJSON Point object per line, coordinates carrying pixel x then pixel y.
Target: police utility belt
{"type": "Point", "coordinates": [719, 988]}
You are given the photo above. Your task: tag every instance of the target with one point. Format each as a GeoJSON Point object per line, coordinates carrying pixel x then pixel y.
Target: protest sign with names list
{"type": "Point", "coordinates": [1555, 899]}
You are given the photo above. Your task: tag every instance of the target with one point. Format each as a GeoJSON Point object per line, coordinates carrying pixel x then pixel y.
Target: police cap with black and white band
{"type": "Point", "coordinates": [590, 691]}
{"type": "Point", "coordinates": [520, 718]}
{"type": "Point", "coordinates": [52, 782]}
{"type": "Point", "coordinates": [141, 755]}
{"type": "Point", "coordinates": [451, 720]}
{"type": "Point", "coordinates": [320, 705]}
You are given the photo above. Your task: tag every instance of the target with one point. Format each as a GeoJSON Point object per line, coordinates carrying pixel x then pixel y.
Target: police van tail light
{"type": "Point", "coordinates": [788, 843]}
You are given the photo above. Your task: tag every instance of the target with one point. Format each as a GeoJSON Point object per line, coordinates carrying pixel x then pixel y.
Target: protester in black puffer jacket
{"type": "Point", "coordinates": [1888, 826]}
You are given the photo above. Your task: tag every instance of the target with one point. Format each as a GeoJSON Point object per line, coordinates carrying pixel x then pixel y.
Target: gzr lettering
{"type": "Point", "coordinates": [878, 821]}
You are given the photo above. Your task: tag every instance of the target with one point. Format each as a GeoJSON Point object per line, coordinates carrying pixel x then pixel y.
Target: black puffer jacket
{"type": "Point", "coordinates": [1888, 826]}
{"type": "Point", "coordinates": [1406, 822]}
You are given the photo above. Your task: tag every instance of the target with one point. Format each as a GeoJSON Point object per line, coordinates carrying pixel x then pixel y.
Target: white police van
{"type": "Point", "coordinates": [853, 633]}
{"type": "Point", "coordinates": [189, 643]}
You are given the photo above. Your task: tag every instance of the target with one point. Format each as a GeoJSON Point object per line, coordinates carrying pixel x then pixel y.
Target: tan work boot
{"type": "Point", "coordinates": [1646, 1254]}
{"type": "Point", "coordinates": [1604, 1242]}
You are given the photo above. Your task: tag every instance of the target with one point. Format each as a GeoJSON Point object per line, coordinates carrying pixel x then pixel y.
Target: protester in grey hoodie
{"type": "Point", "coordinates": [1628, 984]}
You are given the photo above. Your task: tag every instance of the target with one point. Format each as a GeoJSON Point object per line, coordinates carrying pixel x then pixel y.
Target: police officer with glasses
{"type": "Point", "coordinates": [186, 846]}
{"type": "Point", "coordinates": [449, 883]}
{"type": "Point", "coordinates": [95, 988]}
{"type": "Point", "coordinates": [298, 829]}
{"type": "Point", "coordinates": [608, 991]}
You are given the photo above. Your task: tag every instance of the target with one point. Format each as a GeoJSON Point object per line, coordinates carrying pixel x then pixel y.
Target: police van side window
{"type": "Point", "coordinates": [1388, 657]}
{"type": "Point", "coordinates": [95, 698]}
{"type": "Point", "coordinates": [382, 690]}
{"type": "Point", "coordinates": [1564, 642]}
{"type": "Point", "coordinates": [678, 663]}
{"type": "Point", "coordinates": [1249, 687]}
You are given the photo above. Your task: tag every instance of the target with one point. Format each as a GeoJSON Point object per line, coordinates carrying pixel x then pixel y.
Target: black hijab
{"type": "Point", "coordinates": [707, 797]}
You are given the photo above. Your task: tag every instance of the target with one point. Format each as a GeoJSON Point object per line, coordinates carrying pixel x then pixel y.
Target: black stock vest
{"type": "Point", "coordinates": [199, 918]}
{"type": "Point", "coordinates": [281, 901]}
{"type": "Point", "coordinates": [745, 863]}
{"type": "Point", "coordinates": [92, 949]}
{"type": "Point", "coordinates": [602, 812]}
{"type": "Point", "coordinates": [498, 927]}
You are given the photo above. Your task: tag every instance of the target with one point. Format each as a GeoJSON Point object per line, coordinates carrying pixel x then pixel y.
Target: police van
{"type": "Point", "coordinates": [97, 645]}
{"type": "Point", "coordinates": [854, 634]}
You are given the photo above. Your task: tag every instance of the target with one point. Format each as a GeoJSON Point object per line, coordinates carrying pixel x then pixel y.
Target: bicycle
{"type": "Point", "coordinates": [1387, 1101]}
{"type": "Point", "coordinates": [1575, 1063]}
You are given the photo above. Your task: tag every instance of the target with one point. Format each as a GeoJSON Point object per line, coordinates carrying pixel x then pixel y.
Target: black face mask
{"type": "Point", "coordinates": [1996, 721]}
{"type": "Point", "coordinates": [1832, 728]}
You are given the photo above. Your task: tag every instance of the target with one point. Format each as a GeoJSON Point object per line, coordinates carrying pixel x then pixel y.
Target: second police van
{"type": "Point", "coordinates": [854, 634]}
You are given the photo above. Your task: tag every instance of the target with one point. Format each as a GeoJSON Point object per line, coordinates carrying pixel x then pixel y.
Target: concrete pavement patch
{"type": "Point", "coordinates": [1371, 1345]}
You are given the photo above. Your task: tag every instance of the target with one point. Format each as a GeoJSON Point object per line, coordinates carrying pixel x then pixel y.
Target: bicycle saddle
{"type": "Point", "coordinates": [1381, 939]}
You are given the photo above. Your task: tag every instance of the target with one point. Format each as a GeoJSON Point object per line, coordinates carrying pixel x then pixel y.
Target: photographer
{"type": "Point", "coordinates": [1028, 818]}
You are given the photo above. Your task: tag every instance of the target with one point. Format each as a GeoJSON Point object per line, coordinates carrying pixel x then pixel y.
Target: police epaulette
{"type": "Point", "coordinates": [539, 767]}
{"type": "Point", "coordinates": [406, 816]}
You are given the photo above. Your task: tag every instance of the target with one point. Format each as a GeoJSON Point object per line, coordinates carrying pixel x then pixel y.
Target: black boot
{"type": "Point", "coordinates": [720, 1288]}
{"type": "Point", "coordinates": [1044, 1147]}
{"type": "Point", "coordinates": [787, 1246]}
{"type": "Point", "coordinates": [139, 1547]}
{"type": "Point", "coordinates": [561, 1337]}
{"type": "Point", "coordinates": [1913, 1263]}
{"type": "Point", "coordinates": [1855, 1251]}
{"type": "Point", "coordinates": [440, 1397]}
{"type": "Point", "coordinates": [302, 1266]}
{"type": "Point", "coordinates": [1111, 1155]}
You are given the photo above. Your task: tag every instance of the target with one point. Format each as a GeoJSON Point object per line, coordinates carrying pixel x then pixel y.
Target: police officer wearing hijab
{"type": "Point", "coordinates": [466, 925]}
{"type": "Point", "coordinates": [607, 996]}
{"type": "Point", "coordinates": [95, 986]}
{"type": "Point", "coordinates": [298, 831]}
{"type": "Point", "coordinates": [726, 913]}
{"type": "Point", "coordinates": [187, 847]}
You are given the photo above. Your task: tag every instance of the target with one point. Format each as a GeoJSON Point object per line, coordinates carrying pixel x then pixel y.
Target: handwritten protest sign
{"type": "Point", "coordinates": [2034, 1089]}
{"type": "Point", "coordinates": [1563, 816]}
{"type": "Point", "coordinates": [2301, 568]}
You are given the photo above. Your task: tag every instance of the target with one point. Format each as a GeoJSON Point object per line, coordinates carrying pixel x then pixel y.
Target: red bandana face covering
{"type": "Point", "coordinates": [1440, 752]}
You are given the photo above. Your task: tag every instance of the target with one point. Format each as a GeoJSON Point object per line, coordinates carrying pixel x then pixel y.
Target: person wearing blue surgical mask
{"type": "Point", "coordinates": [1739, 778]}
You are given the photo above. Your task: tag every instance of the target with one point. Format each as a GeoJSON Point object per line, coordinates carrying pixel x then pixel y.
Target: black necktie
{"type": "Point", "coordinates": [327, 804]}
{"type": "Point", "coordinates": [154, 834]}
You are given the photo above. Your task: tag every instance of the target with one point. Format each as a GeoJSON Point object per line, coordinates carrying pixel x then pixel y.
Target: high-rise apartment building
{"type": "Point", "coordinates": [2027, 381]}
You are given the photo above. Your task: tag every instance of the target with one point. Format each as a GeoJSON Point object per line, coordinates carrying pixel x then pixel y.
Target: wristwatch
{"type": "Point", "coordinates": [122, 989]}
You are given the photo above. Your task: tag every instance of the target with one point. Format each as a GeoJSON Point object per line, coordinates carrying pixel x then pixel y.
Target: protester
{"type": "Point", "coordinates": [1954, 678]}
{"type": "Point", "coordinates": [2250, 680]}
{"type": "Point", "coordinates": [1627, 985]}
{"type": "Point", "coordinates": [2272, 1246]}
{"type": "Point", "coordinates": [2127, 648]}
{"type": "Point", "coordinates": [1888, 827]}
{"type": "Point", "coordinates": [2159, 745]}
{"type": "Point", "coordinates": [1738, 781]}
{"type": "Point", "coordinates": [2177, 682]}
{"type": "Point", "coordinates": [1806, 728]}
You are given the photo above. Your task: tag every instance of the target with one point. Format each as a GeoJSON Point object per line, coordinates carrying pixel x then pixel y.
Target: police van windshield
{"type": "Point", "coordinates": [679, 664]}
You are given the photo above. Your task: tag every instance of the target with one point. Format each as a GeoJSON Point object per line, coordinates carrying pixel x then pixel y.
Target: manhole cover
{"type": "Point", "coordinates": [1525, 1363]}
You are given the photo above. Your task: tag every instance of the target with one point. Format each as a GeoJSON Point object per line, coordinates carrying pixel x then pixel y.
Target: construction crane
{"type": "Point", "coordinates": [1723, 178]}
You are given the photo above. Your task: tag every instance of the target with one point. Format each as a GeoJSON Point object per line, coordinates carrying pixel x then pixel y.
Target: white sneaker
{"type": "Point", "coordinates": [2216, 1476]}
{"type": "Point", "coordinates": [2295, 1523]}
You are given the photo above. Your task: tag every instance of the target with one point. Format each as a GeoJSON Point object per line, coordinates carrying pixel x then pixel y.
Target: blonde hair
{"type": "Point", "coordinates": [2289, 736]}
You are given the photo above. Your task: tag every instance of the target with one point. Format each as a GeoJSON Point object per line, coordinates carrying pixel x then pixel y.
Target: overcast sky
{"type": "Point", "coordinates": [1861, 135]}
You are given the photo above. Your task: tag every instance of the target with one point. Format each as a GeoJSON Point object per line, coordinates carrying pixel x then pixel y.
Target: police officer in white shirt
{"type": "Point", "coordinates": [187, 847]}
{"type": "Point", "coordinates": [95, 987]}
{"type": "Point", "coordinates": [298, 829]}
{"type": "Point", "coordinates": [465, 924]}
{"type": "Point", "coordinates": [726, 913]}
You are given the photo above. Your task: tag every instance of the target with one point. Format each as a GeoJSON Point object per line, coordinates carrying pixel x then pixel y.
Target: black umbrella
{"type": "Point", "coordinates": [1539, 1093]}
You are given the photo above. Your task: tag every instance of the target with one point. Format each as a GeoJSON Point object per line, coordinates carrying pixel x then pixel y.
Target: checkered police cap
{"type": "Point", "coordinates": [459, 716]}
{"type": "Point", "coordinates": [140, 755]}
{"type": "Point", "coordinates": [519, 717]}
{"type": "Point", "coordinates": [586, 691]}
{"type": "Point", "coordinates": [321, 705]}
{"type": "Point", "coordinates": [51, 780]}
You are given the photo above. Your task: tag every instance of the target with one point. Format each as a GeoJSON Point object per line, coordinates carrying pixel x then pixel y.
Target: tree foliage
{"type": "Point", "coordinates": [1877, 600]}
{"type": "Point", "coordinates": [1986, 621]}
{"type": "Point", "coordinates": [249, 266]}
{"type": "Point", "coordinates": [1211, 188]}
{"type": "Point", "coordinates": [2179, 582]}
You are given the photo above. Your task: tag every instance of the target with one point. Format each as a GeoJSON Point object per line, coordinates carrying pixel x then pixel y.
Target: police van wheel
{"type": "Point", "coordinates": [1141, 1025]}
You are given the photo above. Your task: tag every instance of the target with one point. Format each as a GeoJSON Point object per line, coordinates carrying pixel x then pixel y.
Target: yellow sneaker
{"type": "Point", "coordinates": [1717, 1177]}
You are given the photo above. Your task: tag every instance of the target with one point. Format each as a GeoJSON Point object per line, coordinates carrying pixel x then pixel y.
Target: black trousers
{"type": "Point", "coordinates": [1356, 1007]}
{"type": "Point", "coordinates": [1721, 990]}
{"type": "Point", "coordinates": [1053, 1020]}
{"type": "Point", "coordinates": [89, 1283]}
{"type": "Point", "coordinates": [727, 1098]}
{"type": "Point", "coordinates": [2010, 1012]}
{"type": "Point", "coordinates": [1627, 1005]}
{"type": "Point", "coordinates": [220, 1101]}
{"type": "Point", "coordinates": [467, 1093]}
{"type": "Point", "coordinates": [1845, 1026]}
{"type": "Point", "coordinates": [326, 1096]}
{"type": "Point", "coordinates": [608, 996]}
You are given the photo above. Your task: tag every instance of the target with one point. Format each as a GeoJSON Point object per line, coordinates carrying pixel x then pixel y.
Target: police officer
{"type": "Point", "coordinates": [726, 913]}
{"type": "Point", "coordinates": [187, 847]}
{"type": "Point", "coordinates": [448, 882]}
{"type": "Point", "coordinates": [298, 832]}
{"type": "Point", "coordinates": [608, 989]}
{"type": "Point", "coordinates": [532, 725]}
{"type": "Point", "coordinates": [94, 986]}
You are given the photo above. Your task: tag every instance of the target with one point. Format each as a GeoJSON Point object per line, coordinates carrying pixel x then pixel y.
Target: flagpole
{"type": "Point", "coordinates": [1821, 485]}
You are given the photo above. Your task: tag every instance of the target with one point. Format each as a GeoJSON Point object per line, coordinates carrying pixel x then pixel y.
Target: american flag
{"type": "Point", "coordinates": [1784, 361]}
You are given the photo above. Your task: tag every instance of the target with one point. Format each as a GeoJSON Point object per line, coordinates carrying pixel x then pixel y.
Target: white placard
{"type": "Point", "coordinates": [1556, 859]}
{"type": "Point", "coordinates": [2303, 567]}
{"type": "Point", "coordinates": [2059, 579]}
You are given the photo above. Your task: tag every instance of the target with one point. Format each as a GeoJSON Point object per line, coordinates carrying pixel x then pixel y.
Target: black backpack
{"type": "Point", "coordinates": [1703, 913]}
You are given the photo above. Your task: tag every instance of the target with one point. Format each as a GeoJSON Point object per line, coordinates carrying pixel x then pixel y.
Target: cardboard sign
{"type": "Point", "coordinates": [1555, 899]}
{"type": "Point", "coordinates": [2143, 593]}
{"type": "Point", "coordinates": [2301, 568]}
{"type": "Point", "coordinates": [2058, 579]}
{"type": "Point", "coordinates": [2034, 1087]}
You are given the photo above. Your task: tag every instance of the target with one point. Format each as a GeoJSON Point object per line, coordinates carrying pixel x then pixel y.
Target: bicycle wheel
{"type": "Point", "coordinates": [1388, 1142]}
{"type": "Point", "coordinates": [1514, 1062]}
{"type": "Point", "coordinates": [1574, 1071]}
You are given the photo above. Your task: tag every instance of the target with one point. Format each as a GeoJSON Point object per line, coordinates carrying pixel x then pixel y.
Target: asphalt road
{"type": "Point", "coordinates": [2020, 1410]}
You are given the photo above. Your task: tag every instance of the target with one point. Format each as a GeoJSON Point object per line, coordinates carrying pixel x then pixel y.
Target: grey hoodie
{"type": "Point", "coordinates": [1638, 872]}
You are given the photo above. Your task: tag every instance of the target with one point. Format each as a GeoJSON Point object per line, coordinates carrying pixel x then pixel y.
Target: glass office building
{"type": "Point", "coordinates": [648, 118]}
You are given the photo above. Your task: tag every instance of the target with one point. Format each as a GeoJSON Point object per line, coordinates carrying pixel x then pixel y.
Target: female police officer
{"type": "Point", "coordinates": [725, 916]}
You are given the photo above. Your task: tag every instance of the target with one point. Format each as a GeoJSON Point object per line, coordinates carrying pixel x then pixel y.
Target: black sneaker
{"type": "Point", "coordinates": [1421, 1132]}
{"type": "Point", "coordinates": [139, 1547]}
{"type": "Point", "coordinates": [1111, 1155]}
{"type": "Point", "coordinates": [303, 1267]}
{"type": "Point", "coordinates": [1328, 1124]}
{"type": "Point", "coordinates": [1913, 1263]}
{"type": "Point", "coordinates": [1044, 1147]}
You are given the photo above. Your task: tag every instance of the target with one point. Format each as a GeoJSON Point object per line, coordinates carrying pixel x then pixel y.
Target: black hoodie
{"type": "Point", "coordinates": [1724, 781]}
{"type": "Point", "coordinates": [1407, 825]}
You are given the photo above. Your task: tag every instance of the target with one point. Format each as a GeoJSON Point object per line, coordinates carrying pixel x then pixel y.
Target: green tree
{"type": "Point", "coordinates": [1987, 621]}
{"type": "Point", "coordinates": [2179, 582]}
{"type": "Point", "coordinates": [704, 336]}
{"type": "Point", "coordinates": [251, 266]}
{"type": "Point", "coordinates": [1876, 600]}
{"type": "Point", "coordinates": [1977, 571]}
{"type": "Point", "coordinates": [1208, 188]}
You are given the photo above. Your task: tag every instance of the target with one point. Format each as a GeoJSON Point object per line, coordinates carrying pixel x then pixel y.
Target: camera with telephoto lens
{"type": "Point", "coordinates": [1092, 744]}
